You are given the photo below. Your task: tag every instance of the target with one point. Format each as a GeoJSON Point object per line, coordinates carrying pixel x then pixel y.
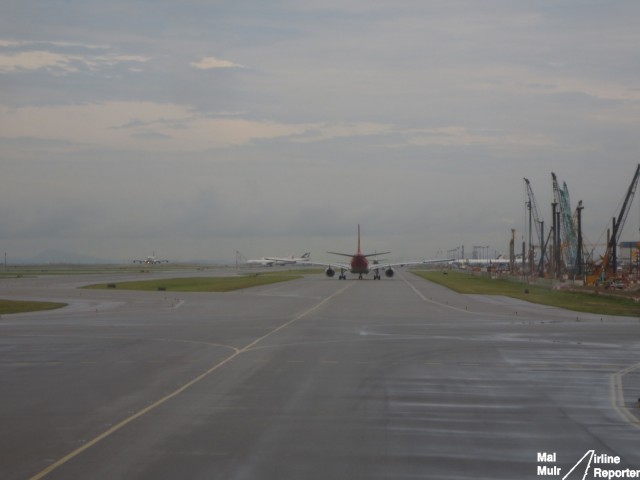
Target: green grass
{"type": "Point", "coordinates": [201, 284]}
{"type": "Point", "coordinates": [19, 306]}
{"type": "Point", "coordinates": [17, 271]}
{"type": "Point", "coordinates": [571, 300]}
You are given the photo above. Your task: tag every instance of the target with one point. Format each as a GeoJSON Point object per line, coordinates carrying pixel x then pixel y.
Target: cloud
{"type": "Point", "coordinates": [551, 81]}
{"type": "Point", "coordinates": [460, 136]}
{"type": "Point", "coordinates": [210, 63]}
{"type": "Point", "coordinates": [327, 131]}
{"type": "Point", "coordinates": [15, 62]}
{"type": "Point", "coordinates": [57, 62]}
{"type": "Point", "coordinates": [148, 126]}
{"type": "Point", "coordinates": [32, 56]}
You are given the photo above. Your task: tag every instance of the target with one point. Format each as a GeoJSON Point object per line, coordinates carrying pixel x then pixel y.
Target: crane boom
{"type": "Point", "coordinates": [534, 207]}
{"type": "Point", "coordinates": [619, 224]}
{"type": "Point", "coordinates": [568, 230]}
{"type": "Point", "coordinates": [537, 223]}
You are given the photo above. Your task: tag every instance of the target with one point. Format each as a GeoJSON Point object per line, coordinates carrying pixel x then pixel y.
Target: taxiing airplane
{"type": "Point", "coordinates": [260, 261]}
{"type": "Point", "coordinates": [472, 262]}
{"type": "Point", "coordinates": [305, 257]}
{"type": "Point", "coordinates": [360, 265]}
{"type": "Point", "coordinates": [486, 262]}
{"type": "Point", "coordinates": [271, 261]}
{"type": "Point", "coordinates": [151, 260]}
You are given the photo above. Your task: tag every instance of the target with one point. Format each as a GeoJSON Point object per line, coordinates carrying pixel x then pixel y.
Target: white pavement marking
{"type": "Point", "coordinates": [177, 392]}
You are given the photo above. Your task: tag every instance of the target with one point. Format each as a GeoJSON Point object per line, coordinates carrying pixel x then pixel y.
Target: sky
{"type": "Point", "coordinates": [198, 128]}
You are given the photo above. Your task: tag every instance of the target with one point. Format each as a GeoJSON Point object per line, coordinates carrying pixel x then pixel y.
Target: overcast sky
{"type": "Point", "coordinates": [198, 128]}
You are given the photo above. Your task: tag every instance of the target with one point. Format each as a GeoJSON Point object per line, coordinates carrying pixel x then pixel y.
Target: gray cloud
{"type": "Point", "coordinates": [125, 127]}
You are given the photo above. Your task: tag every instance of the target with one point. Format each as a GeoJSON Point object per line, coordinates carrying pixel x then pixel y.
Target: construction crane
{"type": "Point", "coordinates": [568, 230]}
{"type": "Point", "coordinates": [539, 226]}
{"type": "Point", "coordinates": [618, 224]}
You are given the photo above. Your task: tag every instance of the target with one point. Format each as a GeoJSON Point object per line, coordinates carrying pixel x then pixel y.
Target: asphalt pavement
{"type": "Point", "coordinates": [312, 379]}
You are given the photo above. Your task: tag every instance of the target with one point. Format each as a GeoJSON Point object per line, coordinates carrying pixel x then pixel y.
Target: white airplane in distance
{"type": "Point", "coordinates": [484, 262]}
{"type": "Point", "coordinates": [271, 261]}
{"type": "Point", "coordinates": [360, 264]}
{"type": "Point", "coordinates": [263, 262]}
{"type": "Point", "coordinates": [151, 260]}
{"type": "Point", "coordinates": [305, 257]}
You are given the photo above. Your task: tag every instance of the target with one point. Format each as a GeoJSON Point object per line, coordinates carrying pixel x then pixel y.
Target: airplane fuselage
{"type": "Point", "coordinates": [359, 264]}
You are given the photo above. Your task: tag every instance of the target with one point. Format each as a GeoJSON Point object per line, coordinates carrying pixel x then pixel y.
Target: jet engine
{"type": "Point", "coordinates": [330, 272]}
{"type": "Point", "coordinates": [389, 272]}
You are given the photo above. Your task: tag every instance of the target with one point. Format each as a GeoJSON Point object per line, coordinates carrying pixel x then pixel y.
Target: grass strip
{"type": "Point", "coordinates": [20, 306]}
{"type": "Point", "coordinates": [199, 284]}
{"type": "Point", "coordinates": [578, 301]}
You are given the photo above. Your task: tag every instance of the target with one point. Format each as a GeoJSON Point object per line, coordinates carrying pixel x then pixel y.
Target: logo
{"type": "Point", "coordinates": [592, 465]}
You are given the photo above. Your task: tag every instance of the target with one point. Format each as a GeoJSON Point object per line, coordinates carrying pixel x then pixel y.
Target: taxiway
{"type": "Point", "coordinates": [310, 379]}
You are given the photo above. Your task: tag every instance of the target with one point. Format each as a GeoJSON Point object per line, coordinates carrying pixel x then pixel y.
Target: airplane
{"type": "Point", "coordinates": [261, 262]}
{"type": "Point", "coordinates": [486, 262]}
{"type": "Point", "coordinates": [500, 260]}
{"type": "Point", "coordinates": [290, 260]}
{"type": "Point", "coordinates": [360, 265]}
{"type": "Point", "coordinates": [271, 261]}
{"type": "Point", "coordinates": [151, 260]}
